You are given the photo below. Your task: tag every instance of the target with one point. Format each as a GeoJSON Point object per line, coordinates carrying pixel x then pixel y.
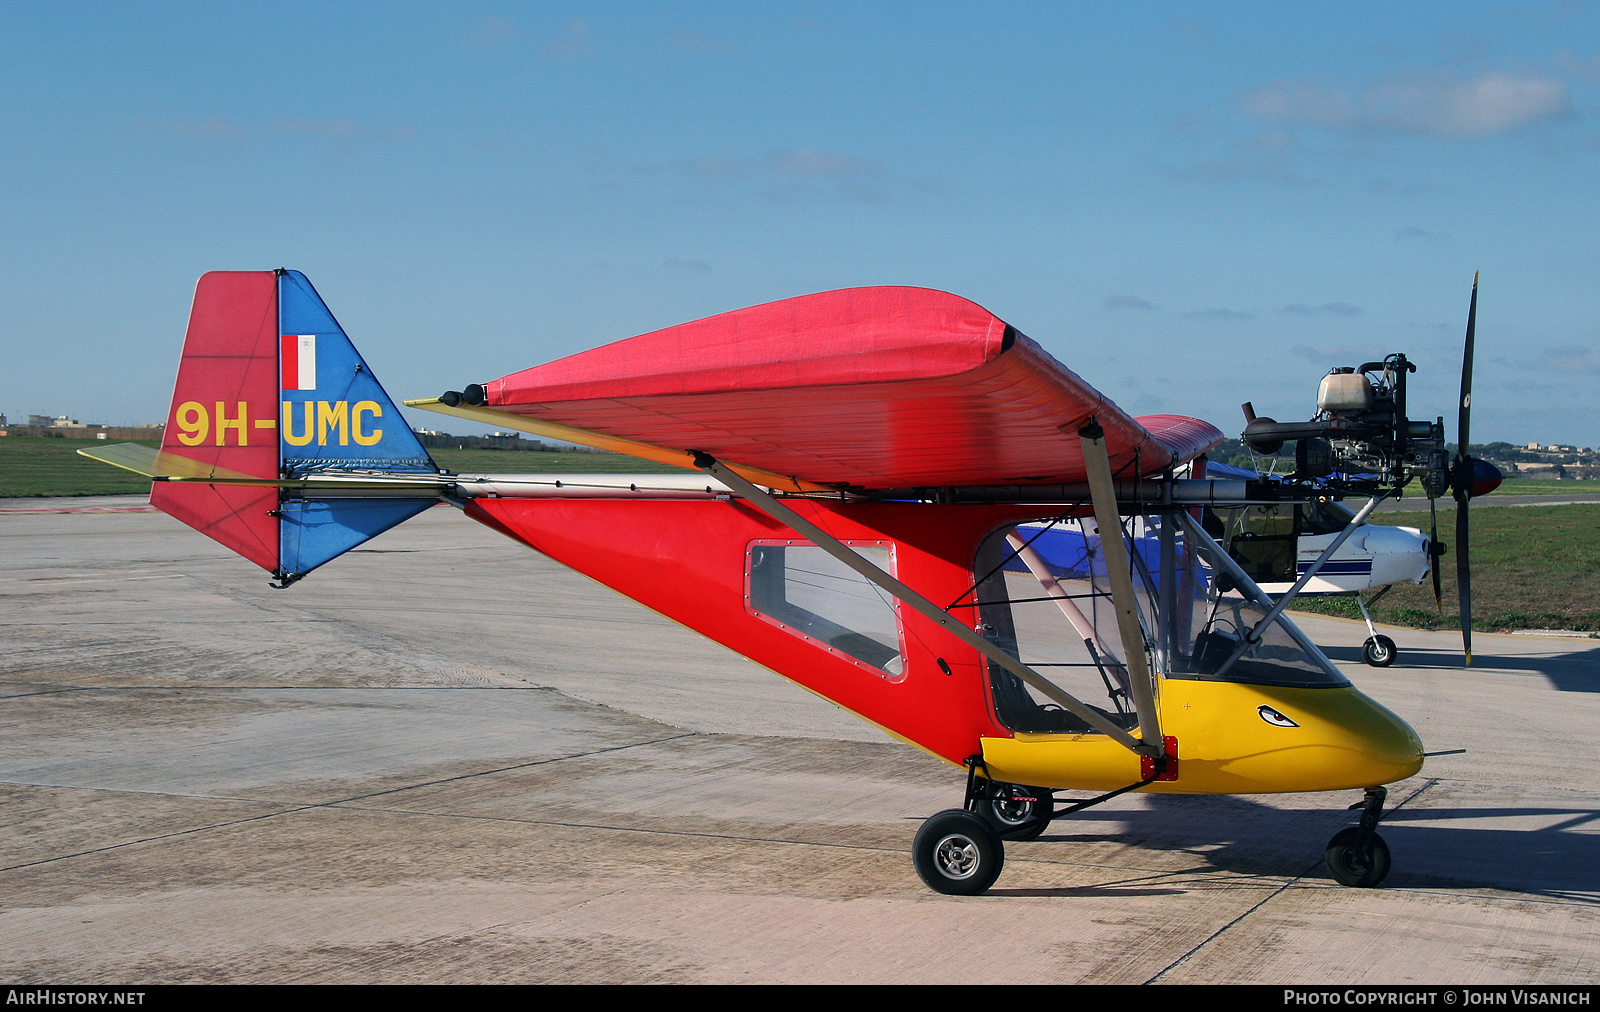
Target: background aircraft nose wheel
{"type": "Point", "coordinates": [1379, 651]}
{"type": "Point", "coordinates": [958, 853]}
{"type": "Point", "coordinates": [1017, 812]}
{"type": "Point", "coordinates": [1355, 865]}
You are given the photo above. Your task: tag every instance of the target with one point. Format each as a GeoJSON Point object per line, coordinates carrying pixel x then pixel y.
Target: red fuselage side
{"type": "Point", "coordinates": [688, 561]}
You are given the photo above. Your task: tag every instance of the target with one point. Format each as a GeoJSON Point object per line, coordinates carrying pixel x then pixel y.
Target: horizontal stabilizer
{"type": "Point", "coordinates": [163, 465]}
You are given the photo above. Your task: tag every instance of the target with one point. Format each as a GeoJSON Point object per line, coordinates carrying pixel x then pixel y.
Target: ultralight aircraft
{"type": "Point", "coordinates": [865, 474]}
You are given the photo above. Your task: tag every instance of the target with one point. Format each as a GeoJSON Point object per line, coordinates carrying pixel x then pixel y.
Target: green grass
{"type": "Point", "coordinates": [34, 466]}
{"type": "Point", "coordinates": [41, 466]}
{"type": "Point", "coordinates": [1534, 567]}
{"type": "Point", "coordinates": [1532, 486]}
{"type": "Point", "coordinates": [1513, 486]}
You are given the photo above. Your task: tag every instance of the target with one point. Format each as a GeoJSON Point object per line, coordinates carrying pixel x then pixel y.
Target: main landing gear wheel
{"type": "Point", "coordinates": [957, 853]}
{"type": "Point", "coordinates": [1353, 865]}
{"type": "Point", "coordinates": [1379, 651]}
{"type": "Point", "coordinates": [1014, 816]}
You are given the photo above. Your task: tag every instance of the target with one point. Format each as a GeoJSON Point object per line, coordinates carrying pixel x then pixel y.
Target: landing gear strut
{"type": "Point", "coordinates": [1358, 856]}
{"type": "Point", "coordinates": [1378, 651]}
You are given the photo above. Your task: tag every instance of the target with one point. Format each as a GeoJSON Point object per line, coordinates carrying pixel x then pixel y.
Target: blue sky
{"type": "Point", "coordinates": [1188, 205]}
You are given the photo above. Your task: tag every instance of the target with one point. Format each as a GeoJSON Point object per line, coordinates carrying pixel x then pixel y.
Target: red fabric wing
{"type": "Point", "coordinates": [874, 387]}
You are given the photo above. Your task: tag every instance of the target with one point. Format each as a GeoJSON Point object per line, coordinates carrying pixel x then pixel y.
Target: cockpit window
{"type": "Point", "coordinates": [1043, 597]}
{"type": "Point", "coordinates": [806, 592]}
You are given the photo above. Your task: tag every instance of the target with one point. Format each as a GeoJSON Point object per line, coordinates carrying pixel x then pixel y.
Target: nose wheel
{"type": "Point", "coordinates": [1355, 864]}
{"type": "Point", "coordinates": [1358, 856]}
{"type": "Point", "coordinates": [1378, 651]}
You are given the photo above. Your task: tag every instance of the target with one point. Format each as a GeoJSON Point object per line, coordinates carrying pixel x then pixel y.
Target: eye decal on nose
{"type": "Point", "coordinates": [1274, 718]}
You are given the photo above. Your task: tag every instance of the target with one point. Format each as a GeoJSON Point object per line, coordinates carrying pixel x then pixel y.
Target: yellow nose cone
{"type": "Point", "coordinates": [1233, 738]}
{"type": "Point", "coordinates": [1247, 739]}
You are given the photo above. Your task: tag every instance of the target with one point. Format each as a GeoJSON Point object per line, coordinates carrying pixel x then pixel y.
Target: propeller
{"type": "Point", "coordinates": [1468, 477]}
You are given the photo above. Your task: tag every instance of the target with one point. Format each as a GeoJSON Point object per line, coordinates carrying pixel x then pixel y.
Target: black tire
{"type": "Point", "coordinates": [1379, 651]}
{"type": "Point", "coordinates": [1350, 866]}
{"type": "Point", "coordinates": [1019, 820]}
{"type": "Point", "coordinates": [957, 853]}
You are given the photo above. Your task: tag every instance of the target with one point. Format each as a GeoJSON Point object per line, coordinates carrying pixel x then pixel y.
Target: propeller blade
{"type": "Point", "coordinates": [1465, 415]}
{"type": "Point", "coordinates": [1464, 578]}
{"type": "Point", "coordinates": [1461, 476]}
{"type": "Point", "coordinates": [1433, 549]}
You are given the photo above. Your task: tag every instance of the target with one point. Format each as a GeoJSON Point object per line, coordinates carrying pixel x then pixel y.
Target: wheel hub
{"type": "Point", "coordinates": [957, 856]}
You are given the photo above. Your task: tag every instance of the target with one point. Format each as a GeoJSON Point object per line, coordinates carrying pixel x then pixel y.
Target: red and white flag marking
{"type": "Point", "coordinates": [299, 361]}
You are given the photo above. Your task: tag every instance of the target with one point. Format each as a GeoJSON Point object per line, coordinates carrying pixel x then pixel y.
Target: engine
{"type": "Point", "coordinates": [1360, 433]}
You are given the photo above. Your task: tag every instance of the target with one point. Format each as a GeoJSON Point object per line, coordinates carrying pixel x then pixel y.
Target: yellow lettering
{"type": "Point", "coordinates": [224, 423]}
{"type": "Point", "coordinates": [333, 414]}
{"type": "Point", "coordinates": [371, 407]}
{"type": "Point", "coordinates": [288, 425]}
{"type": "Point", "coordinates": [194, 422]}
{"type": "Point", "coordinates": [266, 423]}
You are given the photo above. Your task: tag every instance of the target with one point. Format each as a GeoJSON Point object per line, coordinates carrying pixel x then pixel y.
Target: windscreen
{"type": "Point", "coordinates": [1042, 595]}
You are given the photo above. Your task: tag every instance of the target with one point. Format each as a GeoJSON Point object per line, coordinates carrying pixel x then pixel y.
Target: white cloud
{"type": "Point", "coordinates": [694, 42]}
{"type": "Point", "coordinates": [205, 126]}
{"type": "Point", "coordinates": [325, 127]}
{"type": "Point", "coordinates": [713, 165]}
{"type": "Point", "coordinates": [573, 43]}
{"type": "Point", "coordinates": [1584, 68]}
{"type": "Point", "coordinates": [809, 162]}
{"type": "Point", "coordinates": [1415, 102]}
{"type": "Point", "coordinates": [1129, 302]}
{"type": "Point", "coordinates": [1326, 309]}
{"type": "Point", "coordinates": [1355, 354]}
{"type": "Point", "coordinates": [493, 32]}
{"type": "Point", "coordinates": [1568, 359]}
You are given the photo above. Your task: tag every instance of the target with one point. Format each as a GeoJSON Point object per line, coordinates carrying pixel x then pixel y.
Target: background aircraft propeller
{"type": "Point", "coordinates": [1469, 477]}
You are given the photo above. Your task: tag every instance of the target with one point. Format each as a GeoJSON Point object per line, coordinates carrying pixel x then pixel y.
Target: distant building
{"type": "Point", "coordinates": [55, 422]}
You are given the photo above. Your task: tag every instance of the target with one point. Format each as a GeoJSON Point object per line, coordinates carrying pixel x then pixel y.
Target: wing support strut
{"type": "Point", "coordinates": [1109, 519]}
{"type": "Point", "coordinates": [839, 550]}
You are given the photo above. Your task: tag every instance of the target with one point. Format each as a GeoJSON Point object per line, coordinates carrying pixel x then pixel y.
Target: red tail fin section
{"type": "Point", "coordinates": [225, 412]}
